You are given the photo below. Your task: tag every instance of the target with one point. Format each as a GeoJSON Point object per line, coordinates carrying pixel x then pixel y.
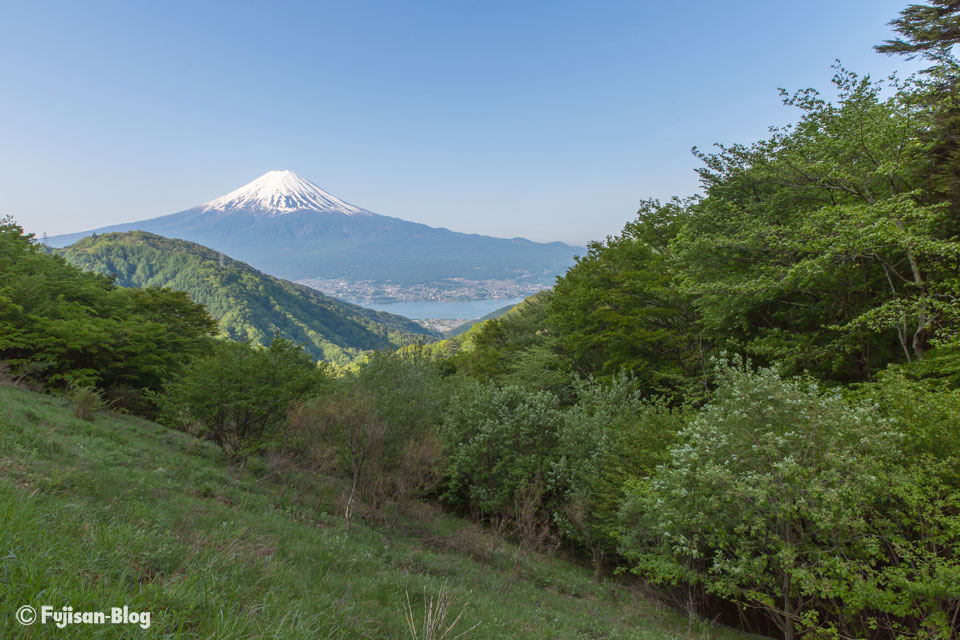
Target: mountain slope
{"type": "Point", "coordinates": [288, 227]}
{"type": "Point", "coordinates": [456, 331]}
{"type": "Point", "coordinates": [247, 303]}
{"type": "Point", "coordinates": [122, 511]}
{"type": "Point", "coordinates": [279, 192]}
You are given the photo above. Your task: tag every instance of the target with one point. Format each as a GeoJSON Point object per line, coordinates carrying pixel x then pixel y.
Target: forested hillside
{"type": "Point", "coordinates": [254, 533]}
{"type": "Point", "coordinates": [65, 328]}
{"type": "Point", "coordinates": [463, 338]}
{"type": "Point", "coordinates": [749, 397]}
{"type": "Point", "coordinates": [247, 304]}
{"type": "Point", "coordinates": [746, 404]}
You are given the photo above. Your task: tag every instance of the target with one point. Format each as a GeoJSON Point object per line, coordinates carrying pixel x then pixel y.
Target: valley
{"type": "Point", "coordinates": [366, 292]}
{"type": "Point", "coordinates": [247, 304]}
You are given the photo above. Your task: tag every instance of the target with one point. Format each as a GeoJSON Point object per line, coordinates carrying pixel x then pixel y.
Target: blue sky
{"type": "Point", "coordinates": [548, 120]}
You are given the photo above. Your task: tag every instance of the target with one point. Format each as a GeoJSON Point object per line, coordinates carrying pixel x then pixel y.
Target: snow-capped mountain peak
{"type": "Point", "coordinates": [277, 192]}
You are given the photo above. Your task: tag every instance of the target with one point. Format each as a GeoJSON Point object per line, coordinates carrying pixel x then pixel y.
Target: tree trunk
{"type": "Point", "coordinates": [919, 335]}
{"type": "Point", "coordinates": [788, 627]}
{"type": "Point", "coordinates": [351, 500]}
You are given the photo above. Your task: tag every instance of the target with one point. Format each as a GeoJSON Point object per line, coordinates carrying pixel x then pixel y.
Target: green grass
{"type": "Point", "coordinates": [122, 511]}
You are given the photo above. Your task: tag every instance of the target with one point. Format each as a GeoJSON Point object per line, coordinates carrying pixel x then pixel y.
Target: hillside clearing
{"type": "Point", "coordinates": [122, 511]}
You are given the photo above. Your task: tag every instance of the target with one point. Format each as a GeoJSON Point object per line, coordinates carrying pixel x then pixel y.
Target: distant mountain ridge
{"type": "Point", "coordinates": [247, 303]}
{"type": "Point", "coordinates": [289, 227]}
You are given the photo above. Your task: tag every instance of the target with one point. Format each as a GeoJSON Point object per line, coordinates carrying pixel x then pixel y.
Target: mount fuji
{"type": "Point", "coordinates": [289, 227]}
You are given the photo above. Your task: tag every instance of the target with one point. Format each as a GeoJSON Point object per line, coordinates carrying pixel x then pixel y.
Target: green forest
{"type": "Point", "coordinates": [247, 304]}
{"type": "Point", "coordinates": [748, 401]}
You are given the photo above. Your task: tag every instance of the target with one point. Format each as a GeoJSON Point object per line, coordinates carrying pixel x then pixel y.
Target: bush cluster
{"type": "Point", "coordinates": [61, 328]}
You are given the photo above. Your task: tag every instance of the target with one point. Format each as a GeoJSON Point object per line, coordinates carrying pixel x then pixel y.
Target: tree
{"type": "Point", "coordinates": [238, 395]}
{"type": "Point", "coordinates": [933, 31]}
{"type": "Point", "coordinates": [928, 30]}
{"type": "Point", "coordinates": [378, 427]}
{"type": "Point", "coordinates": [916, 591]}
{"type": "Point", "coordinates": [769, 500]}
{"type": "Point", "coordinates": [500, 443]}
{"type": "Point", "coordinates": [513, 348]}
{"type": "Point", "coordinates": [619, 308]}
{"type": "Point", "coordinates": [358, 437]}
{"type": "Point", "coordinates": [65, 328]}
{"type": "Point", "coordinates": [816, 247]}
{"type": "Point", "coordinates": [610, 438]}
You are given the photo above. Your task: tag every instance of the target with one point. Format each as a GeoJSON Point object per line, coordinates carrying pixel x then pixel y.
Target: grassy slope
{"type": "Point", "coordinates": [248, 303]}
{"type": "Point", "coordinates": [122, 511]}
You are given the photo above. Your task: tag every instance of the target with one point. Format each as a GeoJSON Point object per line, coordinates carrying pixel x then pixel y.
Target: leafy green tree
{"type": "Point", "coordinates": [174, 309]}
{"type": "Point", "coordinates": [513, 348]}
{"type": "Point", "coordinates": [611, 437]}
{"type": "Point", "coordinates": [932, 31]}
{"type": "Point", "coordinates": [770, 500]}
{"type": "Point", "coordinates": [619, 308]}
{"type": "Point", "coordinates": [815, 247]}
{"type": "Point", "coordinates": [66, 328]}
{"type": "Point", "coordinates": [500, 443]}
{"type": "Point", "coordinates": [238, 395]}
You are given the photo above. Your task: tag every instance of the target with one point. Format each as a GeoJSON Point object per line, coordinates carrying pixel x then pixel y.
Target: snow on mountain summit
{"type": "Point", "coordinates": [278, 192]}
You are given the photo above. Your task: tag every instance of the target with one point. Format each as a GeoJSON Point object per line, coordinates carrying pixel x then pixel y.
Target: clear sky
{"type": "Point", "coordinates": [549, 120]}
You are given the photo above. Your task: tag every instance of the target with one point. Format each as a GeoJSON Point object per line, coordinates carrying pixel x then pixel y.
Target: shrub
{"type": "Point", "coordinates": [348, 424]}
{"type": "Point", "coordinates": [610, 438]}
{"type": "Point", "coordinates": [499, 442]}
{"type": "Point", "coordinates": [86, 402]}
{"type": "Point", "coordinates": [915, 589]}
{"type": "Point", "coordinates": [771, 499]}
{"type": "Point", "coordinates": [471, 540]}
{"type": "Point", "coordinates": [238, 395]}
{"type": "Point", "coordinates": [378, 428]}
{"type": "Point", "coordinates": [130, 400]}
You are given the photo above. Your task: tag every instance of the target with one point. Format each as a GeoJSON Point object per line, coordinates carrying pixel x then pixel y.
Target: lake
{"type": "Point", "coordinates": [466, 309]}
